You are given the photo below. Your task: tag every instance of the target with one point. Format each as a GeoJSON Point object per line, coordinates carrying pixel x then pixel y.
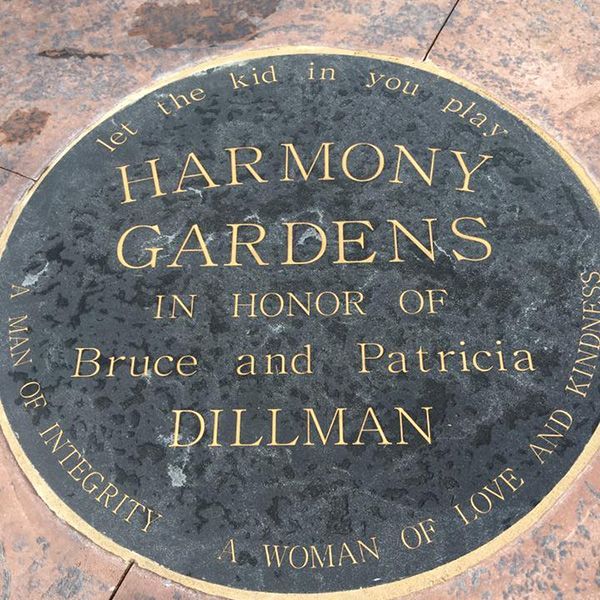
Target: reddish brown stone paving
{"type": "Point", "coordinates": [559, 558]}
{"type": "Point", "coordinates": [64, 65]}
{"type": "Point", "coordinates": [23, 126]}
{"type": "Point", "coordinates": [42, 558]}
{"type": "Point", "coordinates": [85, 57]}
{"type": "Point", "coordinates": [541, 57]}
{"type": "Point", "coordinates": [210, 23]}
{"type": "Point", "coordinates": [12, 188]}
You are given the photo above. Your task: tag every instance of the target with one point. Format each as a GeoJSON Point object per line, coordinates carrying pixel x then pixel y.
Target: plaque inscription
{"type": "Point", "coordinates": [304, 322]}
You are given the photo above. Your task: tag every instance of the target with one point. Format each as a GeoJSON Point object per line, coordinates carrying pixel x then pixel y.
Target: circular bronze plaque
{"type": "Point", "coordinates": [304, 322]}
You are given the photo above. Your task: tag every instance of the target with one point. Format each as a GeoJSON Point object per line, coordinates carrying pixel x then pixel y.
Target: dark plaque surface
{"type": "Point", "coordinates": [304, 323]}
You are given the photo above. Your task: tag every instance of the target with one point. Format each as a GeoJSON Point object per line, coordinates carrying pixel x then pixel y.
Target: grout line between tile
{"type": "Point", "coordinates": [435, 39]}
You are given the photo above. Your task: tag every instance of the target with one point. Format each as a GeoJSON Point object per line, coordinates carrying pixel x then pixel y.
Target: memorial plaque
{"type": "Point", "coordinates": [303, 322]}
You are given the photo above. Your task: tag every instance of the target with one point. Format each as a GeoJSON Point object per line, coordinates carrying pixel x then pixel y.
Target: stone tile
{"type": "Point", "coordinates": [557, 558]}
{"type": "Point", "coordinates": [140, 584]}
{"type": "Point", "coordinates": [85, 57]}
{"type": "Point", "coordinates": [540, 56]}
{"type": "Point", "coordinates": [12, 188]}
{"type": "Point", "coordinates": [41, 558]}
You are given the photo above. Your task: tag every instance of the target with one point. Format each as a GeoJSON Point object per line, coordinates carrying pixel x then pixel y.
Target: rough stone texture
{"type": "Point", "coordinates": [557, 558]}
{"type": "Point", "coordinates": [12, 187]}
{"type": "Point", "coordinates": [83, 59]}
{"type": "Point", "coordinates": [540, 56]}
{"type": "Point", "coordinates": [40, 556]}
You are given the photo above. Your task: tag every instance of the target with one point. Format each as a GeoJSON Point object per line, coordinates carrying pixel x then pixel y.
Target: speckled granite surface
{"type": "Point", "coordinates": [82, 60]}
